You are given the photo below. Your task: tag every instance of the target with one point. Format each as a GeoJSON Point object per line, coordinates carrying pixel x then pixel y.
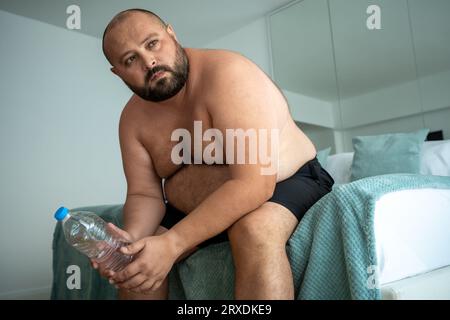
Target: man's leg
{"type": "Point", "coordinates": [258, 243]}
{"type": "Point", "coordinates": [161, 294]}
{"type": "Point", "coordinates": [258, 240]}
{"type": "Point", "coordinates": [185, 190]}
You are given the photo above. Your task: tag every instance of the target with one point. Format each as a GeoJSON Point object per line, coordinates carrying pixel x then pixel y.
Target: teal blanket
{"type": "Point", "coordinates": [332, 251]}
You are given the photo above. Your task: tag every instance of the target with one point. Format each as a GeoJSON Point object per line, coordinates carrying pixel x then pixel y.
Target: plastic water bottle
{"type": "Point", "coordinates": [87, 232]}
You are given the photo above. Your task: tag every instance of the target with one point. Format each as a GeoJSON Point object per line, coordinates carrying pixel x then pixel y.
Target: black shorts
{"type": "Point", "coordinates": [298, 193]}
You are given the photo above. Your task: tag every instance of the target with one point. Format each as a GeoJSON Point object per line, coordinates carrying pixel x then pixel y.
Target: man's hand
{"type": "Point", "coordinates": [119, 233]}
{"type": "Point", "coordinates": [155, 257]}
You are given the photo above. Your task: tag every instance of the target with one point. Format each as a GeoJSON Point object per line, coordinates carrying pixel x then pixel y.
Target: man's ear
{"type": "Point", "coordinates": [170, 31]}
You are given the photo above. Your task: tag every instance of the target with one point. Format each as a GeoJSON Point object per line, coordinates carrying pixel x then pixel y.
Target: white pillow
{"type": "Point", "coordinates": [436, 158]}
{"type": "Point", "coordinates": [435, 161]}
{"type": "Point", "coordinates": [339, 165]}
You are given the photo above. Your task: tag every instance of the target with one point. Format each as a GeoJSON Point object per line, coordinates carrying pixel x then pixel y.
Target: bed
{"type": "Point", "coordinates": [383, 237]}
{"type": "Point", "coordinates": [411, 230]}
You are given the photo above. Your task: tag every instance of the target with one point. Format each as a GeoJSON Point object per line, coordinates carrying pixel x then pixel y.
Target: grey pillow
{"type": "Point", "coordinates": [387, 153]}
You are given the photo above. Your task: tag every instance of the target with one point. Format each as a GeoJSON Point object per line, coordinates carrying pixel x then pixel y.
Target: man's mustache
{"type": "Point", "coordinates": [156, 69]}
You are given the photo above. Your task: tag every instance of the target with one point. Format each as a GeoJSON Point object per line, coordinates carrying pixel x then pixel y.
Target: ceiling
{"type": "Point", "coordinates": [196, 22]}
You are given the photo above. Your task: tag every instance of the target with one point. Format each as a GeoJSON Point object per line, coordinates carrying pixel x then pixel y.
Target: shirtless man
{"type": "Point", "coordinates": [256, 212]}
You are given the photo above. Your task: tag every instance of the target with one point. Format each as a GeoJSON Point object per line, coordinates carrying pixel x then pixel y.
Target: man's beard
{"type": "Point", "coordinates": [168, 86]}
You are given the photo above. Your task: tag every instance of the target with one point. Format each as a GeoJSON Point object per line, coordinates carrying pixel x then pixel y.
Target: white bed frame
{"type": "Point", "coordinates": [433, 285]}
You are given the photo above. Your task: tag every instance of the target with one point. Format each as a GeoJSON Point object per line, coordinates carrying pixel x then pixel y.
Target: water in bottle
{"type": "Point", "coordinates": [87, 232]}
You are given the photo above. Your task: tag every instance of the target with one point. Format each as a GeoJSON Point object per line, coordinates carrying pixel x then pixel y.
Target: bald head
{"type": "Point", "coordinates": [123, 16]}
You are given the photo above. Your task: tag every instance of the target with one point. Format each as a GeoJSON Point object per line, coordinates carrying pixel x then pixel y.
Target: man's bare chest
{"type": "Point", "coordinates": [164, 133]}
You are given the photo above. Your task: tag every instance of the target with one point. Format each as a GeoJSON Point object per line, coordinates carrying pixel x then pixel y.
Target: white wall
{"type": "Point", "coordinates": [251, 41]}
{"type": "Point", "coordinates": [59, 113]}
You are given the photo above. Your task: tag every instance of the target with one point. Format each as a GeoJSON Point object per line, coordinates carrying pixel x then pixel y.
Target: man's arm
{"type": "Point", "coordinates": [242, 99]}
{"type": "Point", "coordinates": [144, 206]}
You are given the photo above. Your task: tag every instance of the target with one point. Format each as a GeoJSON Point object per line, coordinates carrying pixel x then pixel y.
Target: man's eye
{"type": "Point", "coordinates": [152, 43]}
{"type": "Point", "coordinates": [130, 60]}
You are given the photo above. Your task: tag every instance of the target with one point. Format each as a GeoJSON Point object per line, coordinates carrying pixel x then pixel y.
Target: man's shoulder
{"type": "Point", "coordinates": [223, 54]}
{"type": "Point", "coordinates": [212, 61]}
{"type": "Point", "coordinates": [219, 60]}
{"type": "Point", "coordinates": [224, 66]}
{"type": "Point", "coordinates": [132, 103]}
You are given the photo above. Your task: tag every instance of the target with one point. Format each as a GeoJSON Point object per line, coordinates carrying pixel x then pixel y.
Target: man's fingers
{"type": "Point", "coordinates": [94, 264]}
{"type": "Point", "coordinates": [119, 232]}
{"type": "Point", "coordinates": [134, 247]}
{"type": "Point", "coordinates": [145, 287]}
{"type": "Point", "coordinates": [156, 285]}
{"type": "Point", "coordinates": [105, 273]}
{"type": "Point", "coordinates": [131, 270]}
{"type": "Point", "coordinates": [133, 282]}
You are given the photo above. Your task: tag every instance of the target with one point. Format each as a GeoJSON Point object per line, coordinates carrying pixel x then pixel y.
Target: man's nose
{"type": "Point", "coordinates": [149, 62]}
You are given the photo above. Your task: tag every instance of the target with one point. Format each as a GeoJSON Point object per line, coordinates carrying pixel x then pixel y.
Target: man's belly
{"type": "Point", "coordinates": [191, 184]}
{"type": "Point", "coordinates": [293, 146]}
{"type": "Point", "coordinates": [295, 150]}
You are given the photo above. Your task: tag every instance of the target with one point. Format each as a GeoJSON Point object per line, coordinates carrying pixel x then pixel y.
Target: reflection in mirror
{"type": "Point", "coordinates": [303, 65]}
{"type": "Point", "coordinates": [375, 68]}
{"type": "Point", "coordinates": [344, 75]}
{"type": "Point", "coordinates": [431, 33]}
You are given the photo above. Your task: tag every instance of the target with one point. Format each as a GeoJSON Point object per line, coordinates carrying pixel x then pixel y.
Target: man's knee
{"type": "Point", "coordinates": [267, 227]}
{"type": "Point", "coordinates": [246, 234]}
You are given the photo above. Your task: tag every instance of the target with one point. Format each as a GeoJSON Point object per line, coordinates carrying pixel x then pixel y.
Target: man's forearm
{"type": "Point", "coordinates": [142, 215]}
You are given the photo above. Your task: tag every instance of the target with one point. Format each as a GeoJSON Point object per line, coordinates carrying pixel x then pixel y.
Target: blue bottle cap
{"type": "Point", "coordinates": [61, 213]}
